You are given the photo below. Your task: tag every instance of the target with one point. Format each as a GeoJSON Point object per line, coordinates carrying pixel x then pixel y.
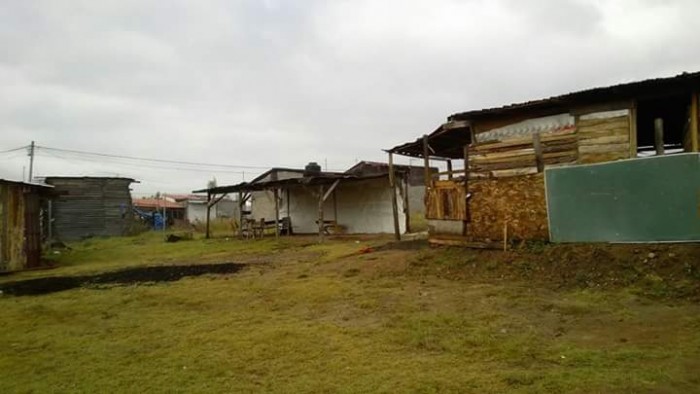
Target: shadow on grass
{"type": "Point", "coordinates": [127, 276]}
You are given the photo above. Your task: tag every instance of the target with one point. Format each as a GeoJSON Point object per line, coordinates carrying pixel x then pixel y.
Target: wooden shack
{"type": "Point", "coordinates": [20, 225]}
{"type": "Point", "coordinates": [85, 207]}
{"type": "Point", "coordinates": [493, 188]}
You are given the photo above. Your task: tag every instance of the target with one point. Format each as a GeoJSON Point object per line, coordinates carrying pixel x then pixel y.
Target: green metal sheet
{"type": "Point", "coordinates": [652, 199]}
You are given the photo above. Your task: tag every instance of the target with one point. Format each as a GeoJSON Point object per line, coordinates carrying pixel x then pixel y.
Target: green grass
{"type": "Point", "coordinates": [320, 318]}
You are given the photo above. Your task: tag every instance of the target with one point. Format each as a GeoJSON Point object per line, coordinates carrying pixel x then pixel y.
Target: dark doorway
{"type": "Point", "coordinates": [674, 112]}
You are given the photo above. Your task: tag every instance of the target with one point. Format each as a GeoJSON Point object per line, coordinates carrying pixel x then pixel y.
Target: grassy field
{"type": "Point", "coordinates": [358, 315]}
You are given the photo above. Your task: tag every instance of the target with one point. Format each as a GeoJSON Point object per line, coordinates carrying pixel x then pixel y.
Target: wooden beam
{"type": "Point", "coordinates": [241, 204]}
{"type": "Point", "coordinates": [277, 213]}
{"type": "Point", "coordinates": [426, 161]}
{"type": "Point", "coordinates": [394, 203]}
{"type": "Point", "coordinates": [633, 130]}
{"type": "Point", "coordinates": [659, 136]}
{"type": "Point", "coordinates": [320, 213]}
{"type": "Point", "coordinates": [465, 220]}
{"type": "Point", "coordinates": [406, 207]}
{"type": "Point", "coordinates": [449, 169]}
{"type": "Point", "coordinates": [694, 122]}
{"type": "Point", "coordinates": [208, 213]}
{"type": "Point", "coordinates": [537, 144]}
{"type": "Point", "coordinates": [330, 190]}
{"type": "Point", "coordinates": [289, 214]}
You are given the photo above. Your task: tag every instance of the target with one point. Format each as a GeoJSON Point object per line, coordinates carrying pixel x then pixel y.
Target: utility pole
{"type": "Point", "coordinates": [31, 161]}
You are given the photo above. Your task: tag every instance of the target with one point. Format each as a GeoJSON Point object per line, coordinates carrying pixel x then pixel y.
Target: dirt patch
{"type": "Point", "coordinates": [662, 270]}
{"type": "Point", "coordinates": [127, 276]}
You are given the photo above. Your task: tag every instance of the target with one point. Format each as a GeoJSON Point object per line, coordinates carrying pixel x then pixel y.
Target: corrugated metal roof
{"type": "Point", "coordinates": [156, 203]}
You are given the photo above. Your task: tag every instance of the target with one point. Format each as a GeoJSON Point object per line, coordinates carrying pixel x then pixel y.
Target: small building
{"type": "Point", "coordinates": [20, 224]}
{"type": "Point", "coordinates": [610, 164]}
{"type": "Point", "coordinates": [312, 201]}
{"type": "Point", "coordinates": [90, 206]}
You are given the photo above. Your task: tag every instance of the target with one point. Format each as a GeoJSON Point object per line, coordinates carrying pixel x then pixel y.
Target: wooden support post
{"type": "Point", "coordinates": [449, 169]}
{"type": "Point", "coordinates": [208, 213]}
{"type": "Point", "coordinates": [659, 136]}
{"type": "Point", "coordinates": [320, 213]}
{"type": "Point", "coordinates": [289, 215]}
{"type": "Point", "coordinates": [277, 213]}
{"type": "Point", "coordinates": [241, 203]}
{"type": "Point", "coordinates": [406, 207]}
{"type": "Point", "coordinates": [426, 161]}
{"type": "Point", "coordinates": [694, 122]}
{"type": "Point", "coordinates": [633, 131]}
{"type": "Point", "coordinates": [537, 144]}
{"type": "Point", "coordinates": [465, 221]}
{"type": "Point", "coordinates": [394, 203]}
{"type": "Point", "coordinates": [335, 207]}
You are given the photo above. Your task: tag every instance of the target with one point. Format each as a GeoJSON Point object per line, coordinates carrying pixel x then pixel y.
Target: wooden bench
{"type": "Point", "coordinates": [256, 228]}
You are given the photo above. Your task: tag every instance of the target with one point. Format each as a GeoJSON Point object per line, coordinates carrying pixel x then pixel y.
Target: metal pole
{"type": "Point", "coordinates": [31, 161]}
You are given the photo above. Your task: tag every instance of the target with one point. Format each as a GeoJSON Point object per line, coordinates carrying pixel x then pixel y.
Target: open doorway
{"type": "Point", "coordinates": [674, 112]}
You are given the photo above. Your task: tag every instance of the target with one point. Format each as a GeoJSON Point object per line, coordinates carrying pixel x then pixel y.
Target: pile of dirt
{"type": "Point", "coordinates": [662, 270]}
{"type": "Point", "coordinates": [126, 276]}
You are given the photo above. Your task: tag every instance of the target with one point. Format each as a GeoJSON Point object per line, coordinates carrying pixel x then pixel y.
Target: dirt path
{"type": "Point", "coordinates": [126, 276]}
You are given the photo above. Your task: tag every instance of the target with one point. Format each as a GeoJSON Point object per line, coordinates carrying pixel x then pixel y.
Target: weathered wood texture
{"type": "Point", "coordinates": [602, 140]}
{"type": "Point", "coordinates": [518, 156]}
{"type": "Point", "coordinates": [20, 235]}
{"type": "Point", "coordinates": [87, 207]}
{"type": "Point", "coordinates": [445, 200]}
{"type": "Point", "coordinates": [517, 201]}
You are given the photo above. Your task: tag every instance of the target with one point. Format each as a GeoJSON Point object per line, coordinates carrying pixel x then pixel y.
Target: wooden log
{"type": "Point", "coordinates": [659, 136]}
{"type": "Point", "coordinates": [277, 213]}
{"type": "Point", "coordinates": [514, 172]}
{"type": "Point", "coordinates": [449, 169]}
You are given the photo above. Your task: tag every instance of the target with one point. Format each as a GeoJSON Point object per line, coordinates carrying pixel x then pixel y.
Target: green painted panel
{"type": "Point", "coordinates": [638, 200]}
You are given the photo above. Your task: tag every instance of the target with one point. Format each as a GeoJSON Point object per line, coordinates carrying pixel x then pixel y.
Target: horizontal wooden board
{"type": "Point", "coordinates": [605, 140]}
{"type": "Point", "coordinates": [624, 147]}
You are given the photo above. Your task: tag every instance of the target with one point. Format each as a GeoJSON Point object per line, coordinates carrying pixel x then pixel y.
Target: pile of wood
{"type": "Point", "coordinates": [522, 155]}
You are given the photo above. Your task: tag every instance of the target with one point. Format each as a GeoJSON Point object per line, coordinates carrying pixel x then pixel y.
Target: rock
{"type": "Point", "coordinates": [652, 255]}
{"type": "Point", "coordinates": [671, 255]}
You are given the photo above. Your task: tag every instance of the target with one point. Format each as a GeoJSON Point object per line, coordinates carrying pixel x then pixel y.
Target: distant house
{"type": "Point", "coordinates": [174, 211]}
{"type": "Point", "coordinates": [90, 206]}
{"type": "Point", "coordinates": [610, 164]}
{"type": "Point", "coordinates": [20, 224]}
{"type": "Point", "coordinates": [195, 207]}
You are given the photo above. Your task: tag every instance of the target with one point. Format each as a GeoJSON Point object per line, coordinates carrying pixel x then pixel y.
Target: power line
{"type": "Point", "coordinates": [14, 149]}
{"type": "Point", "coordinates": [150, 159]}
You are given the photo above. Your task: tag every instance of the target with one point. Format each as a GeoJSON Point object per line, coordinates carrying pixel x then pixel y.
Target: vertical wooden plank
{"type": "Point", "coordinates": [394, 203]}
{"type": "Point", "coordinates": [320, 214]}
{"type": "Point", "coordinates": [449, 169]}
{"type": "Point", "coordinates": [240, 214]}
{"type": "Point", "coordinates": [289, 215]}
{"type": "Point", "coordinates": [208, 213]}
{"type": "Point", "coordinates": [659, 136]}
{"type": "Point", "coordinates": [277, 213]}
{"type": "Point", "coordinates": [537, 144]}
{"type": "Point", "coordinates": [694, 122]}
{"type": "Point", "coordinates": [335, 206]}
{"type": "Point", "coordinates": [466, 190]}
{"type": "Point", "coordinates": [406, 207]}
{"type": "Point", "coordinates": [633, 130]}
{"type": "Point", "coordinates": [426, 161]}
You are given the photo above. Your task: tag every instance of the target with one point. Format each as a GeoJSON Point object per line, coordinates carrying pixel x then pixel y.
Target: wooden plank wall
{"type": "Point", "coordinates": [446, 201]}
{"type": "Point", "coordinates": [602, 140]}
{"type": "Point", "coordinates": [516, 156]}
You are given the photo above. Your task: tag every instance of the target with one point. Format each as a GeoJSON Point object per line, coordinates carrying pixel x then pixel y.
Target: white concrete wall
{"type": "Point", "coordinates": [364, 207]}
{"type": "Point", "coordinates": [195, 212]}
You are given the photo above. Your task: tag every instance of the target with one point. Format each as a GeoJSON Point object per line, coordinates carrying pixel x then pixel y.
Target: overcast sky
{"type": "Point", "coordinates": [281, 83]}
